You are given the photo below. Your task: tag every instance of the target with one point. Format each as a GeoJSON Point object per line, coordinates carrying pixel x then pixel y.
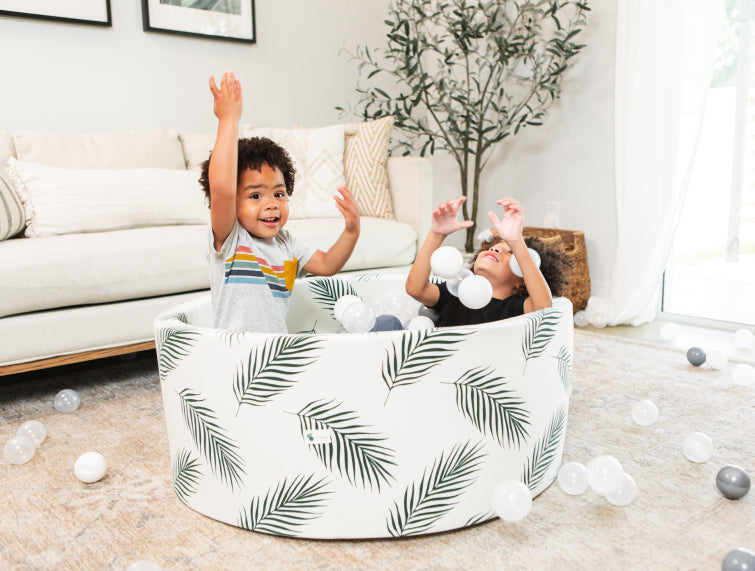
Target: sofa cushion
{"type": "Point", "coordinates": [196, 147]}
{"type": "Point", "coordinates": [158, 148]}
{"type": "Point", "coordinates": [318, 159]}
{"type": "Point", "coordinates": [79, 269]}
{"type": "Point", "coordinates": [12, 218]}
{"type": "Point", "coordinates": [364, 158]}
{"type": "Point", "coordinates": [68, 201]}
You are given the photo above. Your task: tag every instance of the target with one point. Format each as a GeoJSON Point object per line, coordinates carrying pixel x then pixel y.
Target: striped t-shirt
{"type": "Point", "coordinates": [252, 279]}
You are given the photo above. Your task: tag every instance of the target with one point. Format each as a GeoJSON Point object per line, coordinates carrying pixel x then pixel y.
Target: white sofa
{"type": "Point", "coordinates": [87, 294]}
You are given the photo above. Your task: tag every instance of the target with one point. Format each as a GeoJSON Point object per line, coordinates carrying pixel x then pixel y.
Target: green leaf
{"type": "Point", "coordinates": [186, 475]}
{"type": "Point", "coordinates": [564, 367]}
{"type": "Point", "coordinates": [418, 353]}
{"type": "Point", "coordinates": [327, 291]}
{"type": "Point", "coordinates": [539, 329]}
{"type": "Point", "coordinates": [482, 397]}
{"type": "Point", "coordinates": [287, 508]}
{"type": "Point", "coordinates": [545, 453]}
{"type": "Point", "coordinates": [273, 368]}
{"type": "Point", "coordinates": [173, 345]}
{"type": "Point", "coordinates": [211, 440]}
{"type": "Point", "coordinates": [425, 502]}
{"type": "Point", "coordinates": [356, 451]}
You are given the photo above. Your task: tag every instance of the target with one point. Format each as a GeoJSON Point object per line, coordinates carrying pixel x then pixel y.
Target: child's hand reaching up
{"type": "Point", "coordinates": [510, 227]}
{"type": "Point", "coordinates": [348, 207]}
{"type": "Point", "coordinates": [227, 98]}
{"type": "Point", "coordinates": [444, 217]}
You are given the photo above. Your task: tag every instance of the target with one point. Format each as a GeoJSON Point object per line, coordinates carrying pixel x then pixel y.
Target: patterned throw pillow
{"type": "Point", "coordinates": [365, 155]}
{"type": "Point", "coordinates": [12, 217]}
{"type": "Point", "coordinates": [318, 159]}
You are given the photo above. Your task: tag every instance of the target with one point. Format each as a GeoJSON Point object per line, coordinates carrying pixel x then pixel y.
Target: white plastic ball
{"type": "Point", "coordinates": [669, 331]}
{"type": "Point", "coordinates": [625, 493]}
{"type": "Point", "coordinates": [697, 447]}
{"type": "Point", "coordinates": [33, 430]}
{"type": "Point", "coordinates": [743, 374]}
{"type": "Point", "coordinates": [572, 478]}
{"type": "Point", "coordinates": [485, 236]}
{"type": "Point", "coordinates": [512, 500]}
{"type": "Point", "coordinates": [716, 359]}
{"type": "Point", "coordinates": [420, 322]}
{"type": "Point", "coordinates": [454, 282]}
{"type": "Point", "coordinates": [604, 474]}
{"type": "Point", "coordinates": [358, 317]}
{"type": "Point", "coordinates": [342, 303]}
{"type": "Point", "coordinates": [644, 413]}
{"type": "Point", "coordinates": [580, 319]}
{"type": "Point", "coordinates": [743, 338]}
{"type": "Point", "coordinates": [67, 400]}
{"type": "Point", "coordinates": [514, 265]}
{"type": "Point", "coordinates": [19, 450]}
{"type": "Point", "coordinates": [90, 467]}
{"type": "Point", "coordinates": [144, 565]}
{"type": "Point", "coordinates": [599, 319]}
{"type": "Point", "coordinates": [446, 262]}
{"type": "Point", "coordinates": [475, 292]}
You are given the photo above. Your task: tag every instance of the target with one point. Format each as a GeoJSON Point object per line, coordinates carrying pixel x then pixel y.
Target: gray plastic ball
{"type": "Point", "coordinates": [739, 559]}
{"type": "Point", "coordinates": [696, 356]}
{"type": "Point", "coordinates": [387, 323]}
{"type": "Point", "coordinates": [733, 482]}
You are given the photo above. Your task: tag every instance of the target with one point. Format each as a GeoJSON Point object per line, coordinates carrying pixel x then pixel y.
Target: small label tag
{"type": "Point", "coordinates": [318, 436]}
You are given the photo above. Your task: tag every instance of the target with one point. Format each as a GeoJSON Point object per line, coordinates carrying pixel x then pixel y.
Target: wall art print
{"type": "Point", "coordinates": [94, 12]}
{"type": "Point", "coordinates": [231, 20]}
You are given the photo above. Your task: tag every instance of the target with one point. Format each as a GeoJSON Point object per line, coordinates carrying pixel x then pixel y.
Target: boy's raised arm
{"type": "Point", "coordinates": [222, 172]}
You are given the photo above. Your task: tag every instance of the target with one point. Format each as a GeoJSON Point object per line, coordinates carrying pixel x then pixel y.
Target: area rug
{"type": "Point", "coordinates": [679, 519]}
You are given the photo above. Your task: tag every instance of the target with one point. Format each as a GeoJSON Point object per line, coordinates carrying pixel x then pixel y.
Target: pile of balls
{"type": "Point", "coordinates": [89, 467]}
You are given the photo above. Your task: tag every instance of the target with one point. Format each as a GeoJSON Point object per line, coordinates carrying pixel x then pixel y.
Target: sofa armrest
{"type": "Point", "coordinates": [410, 180]}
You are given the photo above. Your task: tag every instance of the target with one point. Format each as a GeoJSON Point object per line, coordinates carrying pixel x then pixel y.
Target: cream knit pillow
{"type": "Point", "coordinates": [365, 155]}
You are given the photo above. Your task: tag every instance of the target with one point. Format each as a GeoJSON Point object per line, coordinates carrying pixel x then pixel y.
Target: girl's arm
{"type": "Point", "coordinates": [330, 262]}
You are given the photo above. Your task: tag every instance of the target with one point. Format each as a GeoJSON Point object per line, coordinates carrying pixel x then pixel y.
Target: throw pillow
{"type": "Point", "coordinates": [66, 201]}
{"type": "Point", "coordinates": [197, 148]}
{"type": "Point", "coordinates": [12, 219]}
{"type": "Point", "coordinates": [365, 155]}
{"type": "Point", "coordinates": [318, 158]}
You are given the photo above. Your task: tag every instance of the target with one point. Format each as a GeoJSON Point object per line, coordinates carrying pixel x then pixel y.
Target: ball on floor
{"type": "Point", "coordinates": [739, 559]}
{"type": "Point", "coordinates": [697, 447]}
{"type": "Point", "coordinates": [644, 413]}
{"type": "Point", "coordinates": [512, 500]}
{"type": "Point", "coordinates": [19, 450]}
{"type": "Point", "coordinates": [696, 356]}
{"type": "Point", "coordinates": [733, 482]}
{"type": "Point", "coordinates": [90, 467]}
{"type": "Point", "coordinates": [67, 400]}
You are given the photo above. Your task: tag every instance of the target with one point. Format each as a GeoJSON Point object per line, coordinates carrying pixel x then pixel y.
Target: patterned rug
{"type": "Point", "coordinates": [679, 520]}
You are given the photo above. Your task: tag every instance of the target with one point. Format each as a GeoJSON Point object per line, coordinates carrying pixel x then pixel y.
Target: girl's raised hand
{"type": "Point", "coordinates": [227, 98]}
{"type": "Point", "coordinates": [510, 227]}
{"type": "Point", "coordinates": [444, 217]}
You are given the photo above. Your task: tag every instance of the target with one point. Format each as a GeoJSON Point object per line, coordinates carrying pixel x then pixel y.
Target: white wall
{"type": "Point", "coordinates": [86, 78]}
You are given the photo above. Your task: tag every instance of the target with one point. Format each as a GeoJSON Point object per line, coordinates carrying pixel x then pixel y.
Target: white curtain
{"type": "Point", "coordinates": [664, 61]}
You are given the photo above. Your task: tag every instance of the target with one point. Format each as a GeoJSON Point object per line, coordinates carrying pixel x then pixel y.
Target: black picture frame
{"type": "Point", "coordinates": [89, 12]}
{"type": "Point", "coordinates": [172, 17]}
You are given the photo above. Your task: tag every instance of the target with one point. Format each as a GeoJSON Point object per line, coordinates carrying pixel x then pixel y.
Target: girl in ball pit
{"type": "Point", "coordinates": [512, 295]}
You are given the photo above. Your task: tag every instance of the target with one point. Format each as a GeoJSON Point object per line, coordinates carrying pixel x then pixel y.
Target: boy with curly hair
{"type": "Point", "coordinates": [254, 260]}
{"type": "Point", "coordinates": [512, 295]}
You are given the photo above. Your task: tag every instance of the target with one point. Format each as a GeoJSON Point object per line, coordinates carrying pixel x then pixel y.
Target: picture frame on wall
{"type": "Point", "coordinates": [94, 12]}
{"type": "Point", "coordinates": [229, 20]}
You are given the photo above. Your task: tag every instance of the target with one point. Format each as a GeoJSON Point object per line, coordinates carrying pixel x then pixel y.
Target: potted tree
{"type": "Point", "coordinates": [462, 75]}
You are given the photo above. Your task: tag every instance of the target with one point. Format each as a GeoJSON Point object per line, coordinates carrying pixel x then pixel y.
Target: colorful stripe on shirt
{"type": "Point", "coordinates": [246, 268]}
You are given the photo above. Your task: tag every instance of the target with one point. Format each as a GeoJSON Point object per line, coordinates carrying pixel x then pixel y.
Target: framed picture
{"type": "Point", "coordinates": [96, 12]}
{"type": "Point", "coordinates": [231, 20]}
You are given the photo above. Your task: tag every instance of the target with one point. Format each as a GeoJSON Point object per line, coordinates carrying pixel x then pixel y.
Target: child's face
{"type": "Point", "coordinates": [261, 201]}
{"type": "Point", "coordinates": [493, 263]}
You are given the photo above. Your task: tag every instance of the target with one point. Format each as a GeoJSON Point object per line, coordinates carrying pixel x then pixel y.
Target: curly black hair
{"type": "Point", "coordinates": [253, 153]}
{"type": "Point", "coordinates": [555, 265]}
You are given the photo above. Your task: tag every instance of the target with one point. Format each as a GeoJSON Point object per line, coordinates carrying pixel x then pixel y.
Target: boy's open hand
{"type": "Point", "coordinates": [348, 207]}
{"type": "Point", "coordinates": [444, 217]}
{"type": "Point", "coordinates": [228, 103]}
{"type": "Point", "coordinates": [510, 228]}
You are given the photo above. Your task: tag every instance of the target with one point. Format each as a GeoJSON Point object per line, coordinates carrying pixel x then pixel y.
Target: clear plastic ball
{"type": "Point", "coordinates": [475, 292]}
{"type": "Point", "coordinates": [341, 304]}
{"type": "Point", "coordinates": [625, 493]}
{"type": "Point", "coordinates": [19, 450]}
{"type": "Point", "coordinates": [743, 338]}
{"type": "Point", "coordinates": [697, 447]}
{"type": "Point", "coordinates": [604, 474]}
{"type": "Point", "coordinates": [358, 317]}
{"type": "Point", "coordinates": [512, 500]}
{"type": "Point", "coordinates": [454, 282]}
{"type": "Point", "coordinates": [67, 400]}
{"type": "Point", "coordinates": [446, 262]}
{"type": "Point", "coordinates": [743, 374]}
{"type": "Point", "coordinates": [514, 265]}
{"type": "Point", "coordinates": [669, 331]}
{"type": "Point", "coordinates": [644, 413]}
{"type": "Point", "coordinates": [740, 559]}
{"type": "Point", "coordinates": [716, 359]}
{"type": "Point", "coordinates": [599, 319]}
{"type": "Point", "coordinates": [572, 478]}
{"type": "Point", "coordinates": [144, 565]}
{"type": "Point", "coordinates": [581, 319]}
{"type": "Point", "coordinates": [420, 322]}
{"type": "Point", "coordinates": [90, 467]}
{"type": "Point", "coordinates": [33, 430]}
